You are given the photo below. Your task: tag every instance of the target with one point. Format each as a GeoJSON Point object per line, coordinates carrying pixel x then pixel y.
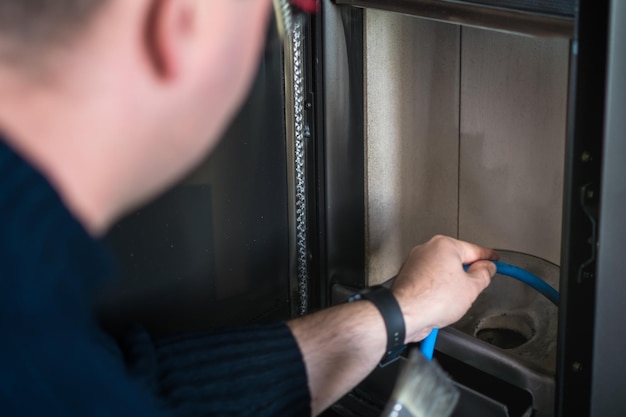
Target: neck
{"type": "Point", "coordinates": [55, 142]}
{"type": "Point", "coordinates": [67, 123]}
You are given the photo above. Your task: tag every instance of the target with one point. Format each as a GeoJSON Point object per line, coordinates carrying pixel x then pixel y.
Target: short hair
{"type": "Point", "coordinates": [27, 23]}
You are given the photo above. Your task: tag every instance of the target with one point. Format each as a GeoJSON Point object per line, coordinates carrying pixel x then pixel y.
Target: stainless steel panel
{"type": "Point", "coordinates": [412, 95]}
{"type": "Point", "coordinates": [609, 363]}
{"type": "Point", "coordinates": [513, 122]}
{"type": "Point", "coordinates": [344, 144]}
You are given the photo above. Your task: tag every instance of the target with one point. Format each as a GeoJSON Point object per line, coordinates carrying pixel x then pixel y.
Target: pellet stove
{"type": "Point", "coordinates": [488, 121]}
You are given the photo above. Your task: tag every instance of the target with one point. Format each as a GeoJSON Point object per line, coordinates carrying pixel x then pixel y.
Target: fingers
{"type": "Point", "coordinates": [470, 253]}
{"type": "Point", "coordinates": [479, 259]}
{"type": "Point", "coordinates": [432, 279]}
{"type": "Point", "coordinates": [482, 271]}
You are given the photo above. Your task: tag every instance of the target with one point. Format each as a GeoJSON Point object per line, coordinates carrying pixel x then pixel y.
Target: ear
{"type": "Point", "coordinates": [170, 26]}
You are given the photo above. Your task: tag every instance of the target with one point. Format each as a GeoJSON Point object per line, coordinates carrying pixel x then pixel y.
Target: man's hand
{"type": "Point", "coordinates": [342, 344]}
{"type": "Point", "coordinates": [432, 287]}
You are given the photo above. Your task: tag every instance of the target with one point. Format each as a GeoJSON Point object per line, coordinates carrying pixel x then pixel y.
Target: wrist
{"type": "Point", "coordinates": [393, 317]}
{"type": "Point", "coordinates": [415, 316]}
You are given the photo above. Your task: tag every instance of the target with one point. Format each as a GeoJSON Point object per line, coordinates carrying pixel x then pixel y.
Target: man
{"type": "Point", "coordinates": [105, 103]}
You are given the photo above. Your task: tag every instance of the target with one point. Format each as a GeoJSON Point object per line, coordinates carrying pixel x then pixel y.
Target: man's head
{"type": "Point", "coordinates": [116, 99]}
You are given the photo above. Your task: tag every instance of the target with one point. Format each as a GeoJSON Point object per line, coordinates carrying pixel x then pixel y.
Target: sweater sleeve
{"type": "Point", "coordinates": [252, 371]}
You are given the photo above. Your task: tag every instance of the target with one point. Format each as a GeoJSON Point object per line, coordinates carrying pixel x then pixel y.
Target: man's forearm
{"type": "Point", "coordinates": [340, 346]}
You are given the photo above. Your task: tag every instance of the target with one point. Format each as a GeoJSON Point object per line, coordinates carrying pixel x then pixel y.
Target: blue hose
{"type": "Point", "coordinates": [530, 279]}
{"type": "Point", "coordinates": [427, 346]}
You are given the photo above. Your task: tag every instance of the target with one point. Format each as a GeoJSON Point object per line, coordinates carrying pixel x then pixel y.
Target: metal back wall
{"type": "Point", "coordinates": [514, 92]}
{"type": "Point", "coordinates": [465, 137]}
{"type": "Point", "coordinates": [412, 140]}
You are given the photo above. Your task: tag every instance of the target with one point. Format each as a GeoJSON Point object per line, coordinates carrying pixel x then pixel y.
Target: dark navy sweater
{"type": "Point", "coordinates": [56, 361]}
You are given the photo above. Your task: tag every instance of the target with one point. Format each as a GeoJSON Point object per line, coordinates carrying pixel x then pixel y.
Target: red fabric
{"type": "Point", "coordinates": [309, 6]}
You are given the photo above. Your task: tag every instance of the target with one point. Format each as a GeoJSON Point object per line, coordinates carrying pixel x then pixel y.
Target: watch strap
{"type": "Point", "coordinates": [388, 306]}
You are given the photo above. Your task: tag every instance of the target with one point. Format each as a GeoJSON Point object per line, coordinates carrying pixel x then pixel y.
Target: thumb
{"type": "Point", "coordinates": [482, 271]}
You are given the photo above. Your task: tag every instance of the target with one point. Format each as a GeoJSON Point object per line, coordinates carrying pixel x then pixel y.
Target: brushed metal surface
{"type": "Point", "coordinates": [344, 158]}
{"type": "Point", "coordinates": [412, 96]}
{"type": "Point", "coordinates": [513, 127]}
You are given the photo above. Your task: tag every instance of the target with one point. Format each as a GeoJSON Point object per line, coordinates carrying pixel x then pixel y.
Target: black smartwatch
{"type": "Point", "coordinates": [386, 302]}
